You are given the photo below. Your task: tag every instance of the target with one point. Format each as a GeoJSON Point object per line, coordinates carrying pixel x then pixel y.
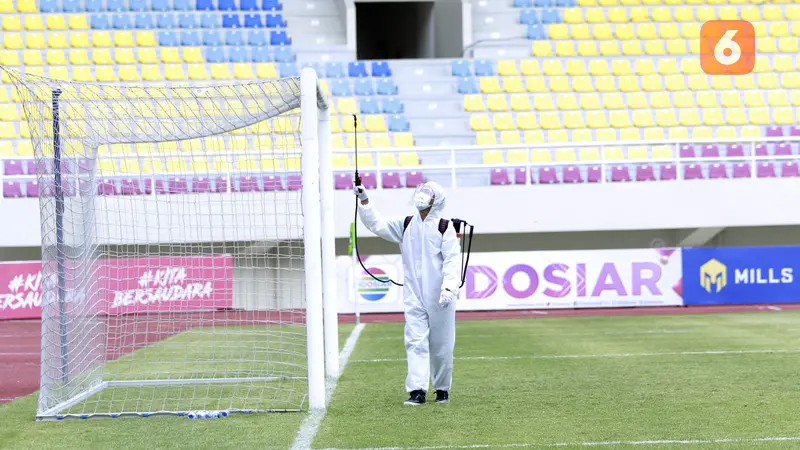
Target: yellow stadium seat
{"type": "Point", "coordinates": [705, 14]}
{"type": "Point", "coordinates": [527, 121]}
{"type": "Point", "coordinates": [171, 55]}
{"type": "Point", "coordinates": [82, 73]}
{"type": "Point", "coordinates": [792, 12]}
{"type": "Point", "coordinates": [753, 99]}
{"type": "Point", "coordinates": [751, 132]}
{"type": "Point", "coordinates": [596, 119]}
{"type": "Point", "coordinates": [480, 122]}
{"type": "Point", "coordinates": [490, 85]}
{"type": "Point", "coordinates": [619, 119]}
{"type": "Point", "coordinates": [8, 112]}
{"type": "Point", "coordinates": [735, 116]}
{"type": "Point", "coordinates": [560, 84]}
{"type": "Point", "coordinates": [752, 14]}
{"type": "Point", "coordinates": [558, 136]}
{"type": "Point", "coordinates": [731, 99]}
{"type": "Point", "coordinates": [550, 121]}
{"type": "Point", "coordinates": [375, 123]}
{"type": "Point", "coordinates": [102, 57]}
{"type": "Point", "coordinates": [573, 120]}
{"type": "Point", "coordinates": [759, 116]}
{"type": "Point", "coordinates": [174, 72]}
{"type": "Point", "coordinates": [347, 106]}
{"type": "Point", "coordinates": [381, 140]}
{"type": "Point", "coordinates": [34, 23]}
{"type": "Point", "coordinates": [543, 102]}
{"type": "Point", "coordinates": [192, 55]}
{"type": "Point", "coordinates": [506, 67]}
{"type": "Point", "coordinates": [516, 156]}
{"type": "Point", "coordinates": [573, 15]}
{"type": "Point", "coordinates": [566, 102]}
{"type": "Point", "coordinates": [553, 67]}
{"type": "Point", "coordinates": [637, 100]}
{"type": "Point", "coordinates": [101, 39]}
{"type": "Point", "coordinates": [654, 48]}
{"type": "Point", "coordinates": [12, 23]}
{"type": "Point", "coordinates": [124, 56]}
{"type": "Point", "coordinates": [13, 41]}
{"type": "Point", "coordinates": [587, 48]}
{"type": "Point", "coordinates": [146, 39]}
{"type": "Point", "coordinates": [602, 32]}
{"type": "Point", "coordinates": [565, 155]}
{"type": "Point", "coordinates": [565, 48]}
{"type": "Point", "coordinates": [77, 22]}
{"type": "Point", "coordinates": [779, 29]}
{"type": "Point", "coordinates": [645, 67]}
{"type": "Point", "coordinates": [630, 134]}
{"type": "Point", "coordinates": [124, 39]}
{"type": "Point", "coordinates": [9, 58]}
{"type": "Point", "coordinates": [705, 99]}
{"type": "Point", "coordinates": [660, 153]}
{"type": "Point", "coordinates": [558, 31]}
{"type": "Point", "coordinates": [542, 48]}
{"type": "Point", "coordinates": [406, 159]}
{"type": "Point", "coordinates": [598, 67]}
{"type": "Point", "coordinates": [631, 83]}
{"type": "Point", "coordinates": [618, 15]}
{"type": "Point", "coordinates": [496, 102]}
{"type": "Point", "coordinates": [642, 119]}
{"type": "Point", "coordinates": [590, 102]}
{"type": "Point", "coordinates": [690, 66]}
{"type": "Point", "coordinates": [613, 154]}
{"type": "Point", "coordinates": [688, 118]}
{"type": "Point", "coordinates": [668, 31]}
{"type": "Point", "coordinates": [654, 134]}
{"type": "Point", "coordinates": [700, 82]}
{"type": "Point", "coordinates": [620, 67]}
{"type": "Point", "coordinates": [575, 67]}
{"type": "Point", "coordinates": [790, 80]}
{"type": "Point", "coordinates": [105, 74]}
{"type": "Point", "coordinates": [129, 73]}
{"type": "Point", "coordinates": [766, 46]}
{"type": "Point", "coordinates": [492, 157]}
{"type": "Point", "coordinates": [613, 101]}
{"type": "Point", "coordinates": [541, 155]}
{"type": "Point", "coordinates": [645, 31]}
{"type": "Point", "coordinates": [580, 32]}
{"type": "Point", "coordinates": [7, 131]}
{"type": "Point", "coordinates": [675, 83]}
{"type": "Point", "coordinates": [788, 45]}
{"type": "Point", "coordinates": [768, 81]}
{"type": "Point", "coordinates": [782, 63]}
{"type": "Point", "coordinates": [473, 103]}
{"type": "Point", "coordinates": [6, 149]}
{"type": "Point", "coordinates": [727, 132]}
{"type": "Point", "coordinates": [243, 71]}
{"type": "Point", "coordinates": [56, 22]}
{"type": "Point", "coordinates": [151, 72]}
{"type": "Point", "coordinates": [513, 84]}
{"type": "Point", "coordinates": [588, 154]}
{"type": "Point", "coordinates": [32, 58]}
{"type": "Point", "coordinates": [197, 72]}
{"type": "Point", "coordinates": [640, 14]}
{"type": "Point", "coordinates": [728, 13]}
{"type": "Point", "coordinates": [676, 47]}
{"type": "Point", "coordinates": [535, 84]}
{"type": "Point", "coordinates": [35, 41]}
{"type": "Point", "coordinates": [486, 138]}
{"type": "Point", "coordinates": [713, 117]}
{"type": "Point", "coordinates": [743, 82]}
{"type": "Point", "coordinates": [27, 6]}
{"type": "Point", "coordinates": [220, 71]}
{"type": "Point", "coordinates": [79, 57]}
{"type": "Point", "coordinates": [529, 67]}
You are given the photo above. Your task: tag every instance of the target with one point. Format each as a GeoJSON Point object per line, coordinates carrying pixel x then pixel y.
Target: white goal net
{"type": "Point", "coordinates": [176, 264]}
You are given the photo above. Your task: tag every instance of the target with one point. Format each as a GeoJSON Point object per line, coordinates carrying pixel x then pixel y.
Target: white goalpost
{"type": "Point", "coordinates": [187, 246]}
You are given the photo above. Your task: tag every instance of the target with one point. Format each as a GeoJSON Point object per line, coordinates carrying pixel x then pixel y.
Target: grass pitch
{"type": "Point", "coordinates": [708, 381]}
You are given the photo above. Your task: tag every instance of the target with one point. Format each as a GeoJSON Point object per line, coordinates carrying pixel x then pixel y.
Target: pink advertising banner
{"type": "Point", "coordinates": [152, 284]}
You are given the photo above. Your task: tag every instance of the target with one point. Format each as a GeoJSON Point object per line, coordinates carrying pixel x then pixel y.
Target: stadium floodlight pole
{"type": "Point", "coordinates": [330, 309]}
{"type": "Point", "coordinates": [312, 238]}
{"type": "Point", "coordinates": [59, 217]}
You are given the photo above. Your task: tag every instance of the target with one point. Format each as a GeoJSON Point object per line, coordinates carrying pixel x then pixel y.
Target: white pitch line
{"type": "Point", "coordinates": [603, 355]}
{"type": "Point", "coordinates": [2, 354]}
{"type": "Point", "coordinates": [590, 444]}
{"type": "Point", "coordinates": [555, 334]}
{"type": "Point", "coordinates": [305, 436]}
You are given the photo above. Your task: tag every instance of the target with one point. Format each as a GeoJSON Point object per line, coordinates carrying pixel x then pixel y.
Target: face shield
{"type": "Point", "coordinates": [423, 197]}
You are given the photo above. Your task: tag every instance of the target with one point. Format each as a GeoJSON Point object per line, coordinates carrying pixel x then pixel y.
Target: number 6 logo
{"type": "Point", "coordinates": [727, 47]}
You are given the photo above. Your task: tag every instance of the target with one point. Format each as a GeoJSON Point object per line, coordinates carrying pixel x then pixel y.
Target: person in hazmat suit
{"type": "Point", "coordinates": [431, 280]}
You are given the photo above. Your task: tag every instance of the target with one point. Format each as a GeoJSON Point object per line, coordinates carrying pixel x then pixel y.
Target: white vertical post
{"type": "Point", "coordinates": [312, 238]}
{"type": "Point", "coordinates": [354, 282]}
{"type": "Point", "coordinates": [330, 307]}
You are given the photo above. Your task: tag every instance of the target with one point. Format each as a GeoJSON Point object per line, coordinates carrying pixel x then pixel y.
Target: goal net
{"type": "Point", "coordinates": [181, 255]}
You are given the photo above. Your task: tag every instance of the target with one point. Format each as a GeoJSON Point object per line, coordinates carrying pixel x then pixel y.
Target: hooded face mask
{"type": "Point", "coordinates": [423, 197]}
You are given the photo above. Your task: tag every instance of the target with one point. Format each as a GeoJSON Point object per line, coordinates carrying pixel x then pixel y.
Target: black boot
{"type": "Point", "coordinates": [416, 398]}
{"type": "Point", "coordinates": [442, 396]}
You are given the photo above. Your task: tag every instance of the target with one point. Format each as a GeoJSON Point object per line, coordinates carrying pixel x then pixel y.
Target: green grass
{"type": "Point", "coordinates": [531, 382]}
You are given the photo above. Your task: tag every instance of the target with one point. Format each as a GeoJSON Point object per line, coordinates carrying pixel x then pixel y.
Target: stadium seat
{"type": "Point", "coordinates": [279, 38]}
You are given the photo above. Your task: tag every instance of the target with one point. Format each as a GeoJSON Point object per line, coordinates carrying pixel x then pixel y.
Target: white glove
{"type": "Point", "coordinates": [360, 192]}
{"type": "Point", "coordinates": [447, 298]}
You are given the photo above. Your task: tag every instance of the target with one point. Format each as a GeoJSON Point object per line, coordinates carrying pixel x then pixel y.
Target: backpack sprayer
{"type": "Point", "coordinates": [459, 225]}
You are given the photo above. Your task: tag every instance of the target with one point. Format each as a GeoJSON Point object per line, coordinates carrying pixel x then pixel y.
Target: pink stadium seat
{"type": "Point", "coordinates": [369, 180]}
{"type": "Point", "coordinates": [645, 173]}
{"type": "Point", "coordinates": [687, 151]}
{"type": "Point", "coordinates": [106, 186]}
{"type": "Point", "coordinates": [159, 186]}
{"type": "Point", "coordinates": [248, 184]}
{"type": "Point", "coordinates": [571, 174]}
{"type": "Point", "coordinates": [201, 185]}
{"type": "Point", "coordinates": [668, 172]}
{"type": "Point", "coordinates": [774, 131]}
{"type": "Point", "coordinates": [294, 182]}
{"type": "Point", "coordinates": [499, 177]}
{"type": "Point", "coordinates": [13, 168]}
{"type": "Point", "coordinates": [130, 186]}
{"type": "Point", "coordinates": [795, 131]}
{"type": "Point", "coordinates": [620, 173]}
{"type": "Point", "coordinates": [272, 183]}
{"type": "Point", "coordinates": [761, 150]}
{"type": "Point", "coordinates": [31, 189]}
{"type": "Point", "coordinates": [221, 184]}
{"type": "Point", "coordinates": [342, 181]}
{"type": "Point", "coordinates": [709, 151]}
{"type": "Point", "coordinates": [391, 180]}
{"type": "Point", "coordinates": [765, 170]}
{"type": "Point", "coordinates": [520, 176]}
{"type": "Point", "coordinates": [12, 189]}
{"type": "Point", "coordinates": [783, 149]}
{"type": "Point", "coordinates": [594, 174]}
{"type": "Point", "coordinates": [547, 175]}
{"type": "Point", "coordinates": [717, 171]}
{"type": "Point", "coordinates": [741, 170]}
{"type": "Point", "coordinates": [177, 185]}
{"type": "Point", "coordinates": [692, 172]}
{"type": "Point", "coordinates": [790, 169]}
{"type": "Point", "coordinates": [414, 179]}
{"type": "Point", "coordinates": [735, 150]}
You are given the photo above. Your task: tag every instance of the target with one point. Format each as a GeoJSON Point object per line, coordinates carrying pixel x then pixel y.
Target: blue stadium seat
{"type": "Point", "coordinates": [248, 5]}
{"type": "Point", "coordinates": [484, 68]}
{"type": "Point", "coordinates": [536, 32]}
{"type": "Point", "coordinates": [95, 6]}
{"type": "Point", "coordinates": [271, 5]}
{"type": "Point", "coordinates": [398, 123]}
{"type": "Point", "coordinates": [168, 39]}
{"type": "Point", "coordinates": [212, 38]}
{"type": "Point", "coordinates": [357, 69]}
{"type": "Point", "coordinates": [261, 53]}
{"type": "Point", "coordinates": [386, 86]}
{"type": "Point", "coordinates": [551, 16]}
{"type": "Point", "coordinates": [140, 6]}
{"type": "Point", "coordinates": [544, 3]}
{"type": "Point", "coordinates": [145, 21]}
{"type": "Point", "coordinates": [284, 54]}
{"type": "Point", "coordinates": [392, 106]}
{"type": "Point", "coordinates": [253, 21]}
{"type": "Point", "coordinates": [341, 88]}
{"type": "Point", "coordinates": [334, 70]}
{"type": "Point", "coordinates": [460, 68]}
{"type": "Point", "coordinates": [381, 69]}
{"type": "Point", "coordinates": [227, 5]}
{"type": "Point", "coordinates": [288, 70]}
{"type": "Point", "coordinates": [279, 38]}
{"type": "Point", "coordinates": [231, 21]}
{"type": "Point", "coordinates": [117, 5]}
{"type": "Point", "coordinates": [566, 3]}
{"type": "Point", "coordinates": [73, 6]}
{"type": "Point", "coordinates": [122, 21]}
{"type": "Point", "coordinates": [166, 21]}
{"type": "Point", "coordinates": [188, 21]}
{"type": "Point", "coordinates": [522, 3]}
{"type": "Point", "coordinates": [467, 86]}
{"type": "Point", "coordinates": [183, 5]}
{"type": "Point", "coordinates": [160, 5]}
{"type": "Point", "coordinates": [529, 17]}
{"type": "Point", "coordinates": [100, 21]}
{"type": "Point", "coordinates": [205, 5]}
{"type": "Point", "coordinates": [209, 20]}
{"type": "Point", "coordinates": [49, 6]}
{"type": "Point", "coordinates": [234, 38]}
{"type": "Point", "coordinates": [318, 67]}
{"type": "Point", "coordinates": [275, 21]}
{"type": "Point", "coordinates": [238, 54]}
{"type": "Point", "coordinates": [364, 87]}
{"type": "Point", "coordinates": [190, 38]}
{"type": "Point", "coordinates": [257, 37]}
{"type": "Point", "coordinates": [215, 55]}
{"type": "Point", "coordinates": [369, 106]}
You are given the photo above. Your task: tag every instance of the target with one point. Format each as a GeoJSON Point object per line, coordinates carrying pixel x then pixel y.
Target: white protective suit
{"type": "Point", "coordinates": [431, 263]}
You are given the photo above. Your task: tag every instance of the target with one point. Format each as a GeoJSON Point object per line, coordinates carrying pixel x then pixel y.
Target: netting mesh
{"type": "Point", "coordinates": [171, 246]}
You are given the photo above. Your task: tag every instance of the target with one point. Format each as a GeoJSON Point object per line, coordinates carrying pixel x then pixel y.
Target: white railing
{"type": "Point", "coordinates": [451, 153]}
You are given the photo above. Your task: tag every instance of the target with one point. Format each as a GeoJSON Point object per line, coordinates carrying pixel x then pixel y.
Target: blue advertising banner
{"type": "Point", "coordinates": [745, 275]}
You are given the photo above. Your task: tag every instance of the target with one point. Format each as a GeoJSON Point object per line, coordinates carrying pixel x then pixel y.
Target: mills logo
{"type": "Point", "coordinates": [372, 290]}
{"type": "Point", "coordinates": [713, 276]}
